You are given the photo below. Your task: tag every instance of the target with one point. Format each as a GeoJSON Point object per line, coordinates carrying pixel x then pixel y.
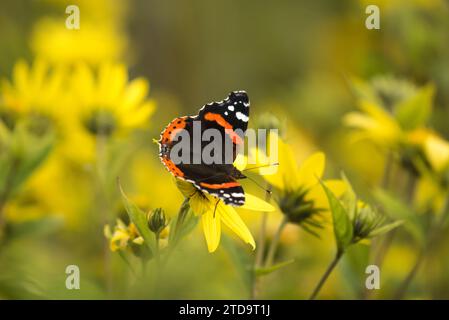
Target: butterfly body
{"type": "Point", "coordinates": [230, 118]}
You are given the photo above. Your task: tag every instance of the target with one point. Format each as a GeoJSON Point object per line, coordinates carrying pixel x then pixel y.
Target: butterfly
{"type": "Point", "coordinates": [230, 117]}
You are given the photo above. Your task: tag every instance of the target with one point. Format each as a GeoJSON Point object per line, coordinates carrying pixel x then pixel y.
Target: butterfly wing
{"type": "Point", "coordinates": [215, 180]}
{"type": "Point", "coordinates": [230, 117]}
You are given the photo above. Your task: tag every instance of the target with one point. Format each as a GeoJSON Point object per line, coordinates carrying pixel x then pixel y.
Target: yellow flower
{"type": "Point", "coordinates": [389, 109]}
{"type": "Point", "coordinates": [431, 188]}
{"type": "Point", "coordinates": [100, 11]}
{"type": "Point", "coordinates": [375, 124]}
{"type": "Point", "coordinates": [58, 188]}
{"type": "Point", "coordinates": [105, 103]}
{"type": "Point", "coordinates": [35, 91]}
{"type": "Point", "coordinates": [213, 212]}
{"type": "Point", "coordinates": [122, 236]}
{"type": "Point", "coordinates": [434, 147]}
{"type": "Point", "coordinates": [93, 43]}
{"type": "Point", "coordinates": [298, 191]}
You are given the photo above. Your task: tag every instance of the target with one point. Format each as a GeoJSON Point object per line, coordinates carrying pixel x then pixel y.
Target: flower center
{"type": "Point", "coordinates": [8, 118]}
{"type": "Point", "coordinates": [101, 122]}
{"type": "Point", "coordinates": [39, 124]}
{"type": "Point", "coordinates": [295, 205]}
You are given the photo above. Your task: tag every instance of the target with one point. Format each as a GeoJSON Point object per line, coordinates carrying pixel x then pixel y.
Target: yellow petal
{"type": "Point", "coordinates": [115, 84]}
{"type": "Point", "coordinates": [135, 93]}
{"type": "Point", "coordinates": [256, 204]}
{"type": "Point", "coordinates": [20, 76]}
{"type": "Point", "coordinates": [437, 151]}
{"type": "Point", "coordinates": [240, 161]}
{"type": "Point", "coordinates": [107, 231]}
{"type": "Point", "coordinates": [258, 159]}
{"type": "Point", "coordinates": [186, 188]}
{"type": "Point", "coordinates": [233, 221]}
{"type": "Point", "coordinates": [287, 173]}
{"type": "Point", "coordinates": [201, 203]}
{"type": "Point", "coordinates": [312, 170]}
{"type": "Point", "coordinates": [138, 240]}
{"type": "Point", "coordinates": [318, 196]}
{"type": "Point", "coordinates": [138, 117]}
{"type": "Point", "coordinates": [384, 128]}
{"type": "Point", "coordinates": [39, 73]}
{"type": "Point", "coordinates": [119, 240]}
{"type": "Point", "coordinates": [212, 229]}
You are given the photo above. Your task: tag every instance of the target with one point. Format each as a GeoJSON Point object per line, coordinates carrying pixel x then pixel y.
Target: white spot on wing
{"type": "Point", "coordinates": [238, 195]}
{"type": "Point", "coordinates": [242, 117]}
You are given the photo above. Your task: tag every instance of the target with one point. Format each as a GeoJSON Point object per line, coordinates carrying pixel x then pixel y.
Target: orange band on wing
{"type": "Point", "coordinates": [222, 122]}
{"type": "Point", "coordinates": [172, 129]}
{"type": "Point", "coordinates": [172, 167]}
{"type": "Point", "coordinates": [220, 185]}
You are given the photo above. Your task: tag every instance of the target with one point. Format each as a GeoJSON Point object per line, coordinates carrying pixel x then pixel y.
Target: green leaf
{"type": "Point", "coordinates": [34, 227]}
{"type": "Point", "coordinates": [385, 228]}
{"type": "Point", "coordinates": [398, 210]}
{"type": "Point", "coordinates": [415, 111]}
{"type": "Point", "coordinates": [20, 156]}
{"type": "Point", "coordinates": [267, 270]}
{"type": "Point", "coordinates": [349, 198]}
{"type": "Point", "coordinates": [240, 260]}
{"type": "Point", "coordinates": [182, 225]}
{"type": "Point", "coordinates": [343, 229]}
{"type": "Point", "coordinates": [138, 217]}
{"type": "Point", "coordinates": [35, 155]}
{"type": "Point", "coordinates": [363, 90]}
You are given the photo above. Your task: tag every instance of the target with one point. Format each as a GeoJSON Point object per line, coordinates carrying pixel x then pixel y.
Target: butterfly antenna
{"type": "Point", "coordinates": [216, 205]}
{"type": "Point", "coordinates": [259, 185]}
{"type": "Point", "coordinates": [263, 166]}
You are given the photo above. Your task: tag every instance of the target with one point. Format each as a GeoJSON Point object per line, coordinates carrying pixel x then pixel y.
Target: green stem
{"type": "Point", "coordinates": [435, 231]}
{"type": "Point", "coordinates": [260, 251]}
{"type": "Point", "coordinates": [259, 257]}
{"type": "Point", "coordinates": [127, 263]}
{"type": "Point", "coordinates": [326, 274]}
{"type": "Point", "coordinates": [5, 194]}
{"type": "Point", "coordinates": [387, 171]}
{"type": "Point", "coordinates": [402, 290]}
{"type": "Point", "coordinates": [103, 203]}
{"type": "Point", "coordinates": [275, 242]}
{"type": "Point", "coordinates": [182, 213]}
{"type": "Point", "coordinates": [157, 253]}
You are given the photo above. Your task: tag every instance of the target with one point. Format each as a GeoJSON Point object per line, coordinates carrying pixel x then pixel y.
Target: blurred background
{"type": "Point", "coordinates": [297, 61]}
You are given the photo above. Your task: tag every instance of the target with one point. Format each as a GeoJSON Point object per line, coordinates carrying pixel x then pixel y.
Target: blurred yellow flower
{"type": "Point", "coordinates": [213, 212]}
{"type": "Point", "coordinates": [431, 188]}
{"type": "Point", "coordinates": [105, 104]}
{"type": "Point", "coordinates": [389, 109]}
{"type": "Point", "coordinates": [93, 43]}
{"type": "Point", "coordinates": [108, 102]}
{"type": "Point", "coordinates": [122, 236]}
{"type": "Point", "coordinates": [375, 124]}
{"type": "Point", "coordinates": [35, 90]}
{"type": "Point", "coordinates": [100, 11]}
{"type": "Point", "coordinates": [434, 147]}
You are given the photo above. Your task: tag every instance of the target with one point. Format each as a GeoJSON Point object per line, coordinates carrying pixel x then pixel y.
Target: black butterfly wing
{"type": "Point", "coordinates": [215, 180]}
{"type": "Point", "coordinates": [234, 110]}
{"type": "Point", "coordinates": [230, 116]}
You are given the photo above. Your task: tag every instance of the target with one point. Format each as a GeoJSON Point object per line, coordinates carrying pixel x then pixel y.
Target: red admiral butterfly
{"type": "Point", "coordinates": [230, 117]}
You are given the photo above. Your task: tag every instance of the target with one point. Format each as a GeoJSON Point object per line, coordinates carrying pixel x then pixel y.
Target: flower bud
{"type": "Point", "coordinates": [157, 220]}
